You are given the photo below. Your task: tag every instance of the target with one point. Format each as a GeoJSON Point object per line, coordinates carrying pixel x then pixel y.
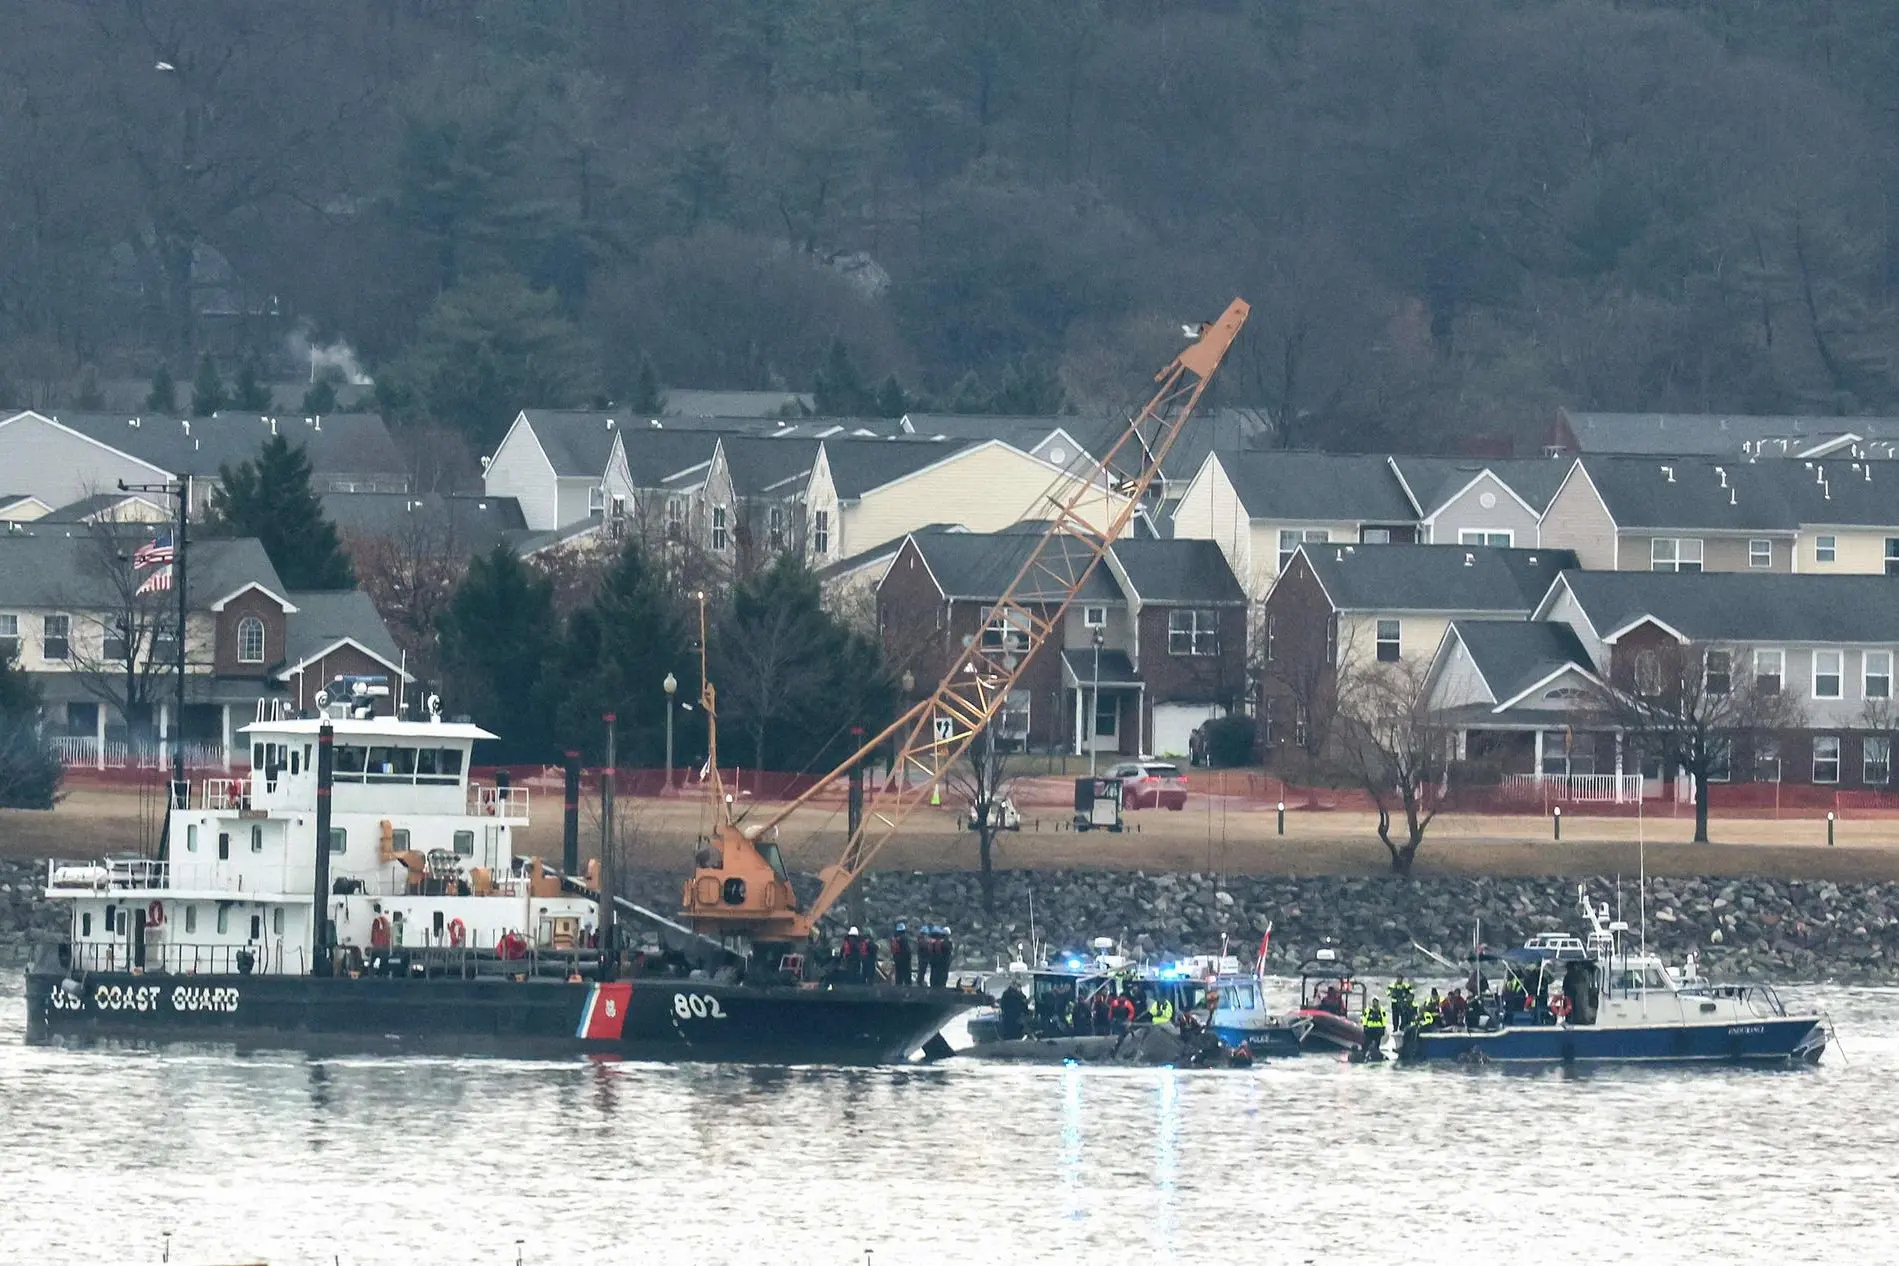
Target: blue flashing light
{"type": "Point", "coordinates": [1074, 964]}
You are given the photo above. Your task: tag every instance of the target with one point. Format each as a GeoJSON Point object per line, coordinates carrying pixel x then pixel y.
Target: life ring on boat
{"type": "Point", "coordinates": [155, 915]}
{"type": "Point", "coordinates": [379, 933]}
{"type": "Point", "coordinates": [457, 932]}
{"type": "Point", "coordinates": [1559, 1006]}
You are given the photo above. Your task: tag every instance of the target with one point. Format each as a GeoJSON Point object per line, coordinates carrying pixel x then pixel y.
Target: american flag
{"type": "Point", "coordinates": [159, 581]}
{"type": "Point", "coordinates": [156, 550]}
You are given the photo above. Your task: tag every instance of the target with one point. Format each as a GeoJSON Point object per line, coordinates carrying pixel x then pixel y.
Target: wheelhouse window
{"type": "Point", "coordinates": [1192, 632]}
{"type": "Point", "coordinates": [1768, 666]}
{"type": "Point", "coordinates": [1876, 680]}
{"type": "Point", "coordinates": [425, 765]}
{"type": "Point", "coordinates": [1389, 641]}
{"type": "Point", "coordinates": [1825, 548]}
{"type": "Point", "coordinates": [56, 637]}
{"type": "Point", "coordinates": [1670, 553]}
{"type": "Point", "coordinates": [1876, 762]}
{"type": "Point", "coordinates": [1826, 674]}
{"type": "Point", "coordinates": [1760, 552]}
{"type": "Point", "coordinates": [1826, 759]}
{"type": "Point", "coordinates": [250, 640]}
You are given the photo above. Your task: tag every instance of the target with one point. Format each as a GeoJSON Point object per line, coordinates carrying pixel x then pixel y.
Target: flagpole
{"type": "Point", "coordinates": [178, 581]}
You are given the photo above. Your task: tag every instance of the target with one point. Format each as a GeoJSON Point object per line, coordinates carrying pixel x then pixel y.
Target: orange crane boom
{"type": "Point", "coordinates": [739, 887]}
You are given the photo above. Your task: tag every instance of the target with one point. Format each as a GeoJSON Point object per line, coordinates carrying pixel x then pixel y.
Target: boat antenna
{"type": "Point", "coordinates": [1641, 863]}
{"type": "Point", "coordinates": [1034, 948]}
{"type": "Point", "coordinates": [709, 702]}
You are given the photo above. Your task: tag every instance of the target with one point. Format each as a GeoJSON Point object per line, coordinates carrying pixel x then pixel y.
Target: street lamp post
{"type": "Point", "coordinates": [1094, 709]}
{"type": "Point", "coordinates": [671, 686]}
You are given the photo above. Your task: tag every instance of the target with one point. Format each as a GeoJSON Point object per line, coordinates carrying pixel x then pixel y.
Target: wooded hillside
{"type": "Point", "coordinates": [1450, 215]}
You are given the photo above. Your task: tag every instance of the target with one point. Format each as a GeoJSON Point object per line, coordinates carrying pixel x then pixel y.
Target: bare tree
{"type": "Point", "coordinates": [1684, 704]}
{"type": "Point", "coordinates": [1386, 738]}
{"type": "Point", "coordinates": [766, 668]}
{"type": "Point", "coordinates": [122, 642]}
{"type": "Point", "coordinates": [984, 780]}
{"type": "Point", "coordinates": [410, 575]}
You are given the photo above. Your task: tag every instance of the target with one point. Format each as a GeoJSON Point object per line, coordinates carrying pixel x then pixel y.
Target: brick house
{"type": "Point", "coordinates": [1153, 644]}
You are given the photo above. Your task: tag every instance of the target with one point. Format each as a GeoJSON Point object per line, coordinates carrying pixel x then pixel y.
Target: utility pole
{"type": "Point", "coordinates": [180, 488]}
{"type": "Point", "coordinates": [608, 956]}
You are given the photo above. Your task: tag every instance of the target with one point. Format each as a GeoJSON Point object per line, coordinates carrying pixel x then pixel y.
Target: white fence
{"type": "Point", "coordinates": [86, 751]}
{"type": "Point", "coordinates": [1574, 788]}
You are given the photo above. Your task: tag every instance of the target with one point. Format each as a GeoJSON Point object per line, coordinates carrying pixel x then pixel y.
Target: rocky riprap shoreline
{"type": "Point", "coordinates": [1768, 929]}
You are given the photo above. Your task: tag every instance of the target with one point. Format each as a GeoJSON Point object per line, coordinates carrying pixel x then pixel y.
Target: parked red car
{"type": "Point", "coordinates": [1150, 784]}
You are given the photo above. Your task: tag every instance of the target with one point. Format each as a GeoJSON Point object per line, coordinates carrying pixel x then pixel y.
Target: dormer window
{"type": "Point", "coordinates": [250, 640]}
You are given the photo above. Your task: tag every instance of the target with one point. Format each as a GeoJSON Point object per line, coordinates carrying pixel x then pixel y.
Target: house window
{"type": "Point", "coordinates": [1669, 553]}
{"type": "Point", "coordinates": [1015, 716]}
{"type": "Point", "coordinates": [1876, 681]}
{"type": "Point", "coordinates": [1767, 761]}
{"type": "Point", "coordinates": [1825, 548]}
{"type": "Point", "coordinates": [1826, 674]}
{"type": "Point", "coordinates": [1291, 539]}
{"type": "Point", "coordinates": [1892, 556]}
{"type": "Point", "coordinates": [596, 499]}
{"type": "Point", "coordinates": [1191, 632]}
{"type": "Point", "coordinates": [191, 918]}
{"type": "Point", "coordinates": [1875, 761]}
{"type": "Point", "coordinates": [1478, 536]}
{"type": "Point", "coordinates": [9, 636]}
{"type": "Point", "coordinates": [116, 646]}
{"type": "Point", "coordinates": [1107, 715]}
{"type": "Point", "coordinates": [1004, 630]}
{"type": "Point", "coordinates": [776, 527]}
{"type": "Point", "coordinates": [1332, 640]}
{"type": "Point", "coordinates": [718, 527]}
{"type": "Point", "coordinates": [250, 640]}
{"type": "Point", "coordinates": [1374, 536]}
{"type": "Point", "coordinates": [1266, 723]}
{"type": "Point", "coordinates": [1720, 759]}
{"type": "Point", "coordinates": [1648, 673]}
{"type": "Point", "coordinates": [464, 843]}
{"type": "Point", "coordinates": [1094, 617]}
{"type": "Point", "coordinates": [821, 531]}
{"type": "Point", "coordinates": [1826, 759]}
{"type": "Point", "coordinates": [1718, 672]}
{"type": "Point", "coordinates": [56, 637]}
{"type": "Point", "coordinates": [1300, 724]}
{"type": "Point", "coordinates": [675, 518]}
{"type": "Point", "coordinates": [1760, 552]}
{"type": "Point", "coordinates": [1767, 671]}
{"type": "Point", "coordinates": [1388, 643]}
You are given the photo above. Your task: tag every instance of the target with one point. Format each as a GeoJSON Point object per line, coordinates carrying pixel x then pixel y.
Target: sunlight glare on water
{"type": "Point", "coordinates": [287, 1159]}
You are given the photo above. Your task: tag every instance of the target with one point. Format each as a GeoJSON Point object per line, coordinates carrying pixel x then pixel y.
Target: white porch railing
{"type": "Point", "coordinates": [85, 750]}
{"type": "Point", "coordinates": [1575, 788]}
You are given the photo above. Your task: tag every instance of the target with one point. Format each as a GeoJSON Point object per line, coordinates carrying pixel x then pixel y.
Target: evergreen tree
{"type": "Point", "coordinates": [1030, 388]}
{"type": "Point", "coordinates": [89, 398]}
{"type": "Point", "coordinates": [30, 771]}
{"type": "Point", "coordinates": [648, 399]}
{"type": "Point", "coordinates": [496, 639]}
{"type": "Point", "coordinates": [269, 497]}
{"type": "Point", "coordinates": [839, 391]}
{"type": "Point", "coordinates": [892, 400]}
{"type": "Point", "coordinates": [163, 397]}
{"type": "Point", "coordinates": [320, 398]}
{"type": "Point", "coordinates": [207, 389]}
{"type": "Point", "coordinates": [251, 394]}
{"type": "Point", "coordinates": [969, 395]}
{"type": "Point", "coordinates": [792, 678]}
{"type": "Point", "coordinates": [617, 651]}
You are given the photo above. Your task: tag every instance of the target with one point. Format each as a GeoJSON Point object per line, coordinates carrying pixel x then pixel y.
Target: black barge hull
{"type": "Point", "coordinates": [648, 1018]}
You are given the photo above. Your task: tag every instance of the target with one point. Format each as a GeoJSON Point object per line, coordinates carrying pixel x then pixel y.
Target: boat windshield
{"type": "Point", "coordinates": [769, 852]}
{"type": "Point", "coordinates": [1638, 976]}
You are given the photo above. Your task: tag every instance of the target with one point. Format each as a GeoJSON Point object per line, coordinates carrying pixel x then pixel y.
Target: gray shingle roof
{"type": "Point", "coordinates": [659, 459]}
{"type": "Point", "coordinates": [1179, 571]}
{"type": "Point", "coordinates": [322, 618]}
{"type": "Point", "coordinates": [692, 402]}
{"type": "Point", "coordinates": [762, 466]}
{"type": "Point", "coordinates": [1435, 480]}
{"type": "Point", "coordinates": [74, 567]}
{"type": "Point", "coordinates": [1021, 432]}
{"type": "Point", "coordinates": [470, 523]}
{"type": "Point", "coordinates": [1713, 496]}
{"type": "Point", "coordinates": [577, 442]}
{"type": "Point", "coordinates": [1317, 486]}
{"type": "Point", "coordinates": [82, 510]}
{"type": "Point", "coordinates": [1116, 668]}
{"type": "Point", "coordinates": [1436, 577]}
{"type": "Point", "coordinates": [1513, 655]}
{"type": "Point", "coordinates": [1743, 607]}
{"type": "Point", "coordinates": [980, 565]}
{"type": "Point", "coordinates": [859, 465]}
{"type": "Point", "coordinates": [336, 443]}
{"type": "Point", "coordinates": [1711, 434]}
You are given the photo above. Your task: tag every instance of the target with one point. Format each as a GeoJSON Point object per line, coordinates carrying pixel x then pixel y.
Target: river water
{"type": "Point", "coordinates": [288, 1159]}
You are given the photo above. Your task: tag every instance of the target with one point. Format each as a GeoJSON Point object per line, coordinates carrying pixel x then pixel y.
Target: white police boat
{"type": "Point", "coordinates": [1564, 1000]}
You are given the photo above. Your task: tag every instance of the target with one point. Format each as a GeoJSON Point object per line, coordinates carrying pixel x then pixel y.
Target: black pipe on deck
{"type": "Point", "coordinates": [320, 899]}
{"type": "Point", "coordinates": [570, 817]}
